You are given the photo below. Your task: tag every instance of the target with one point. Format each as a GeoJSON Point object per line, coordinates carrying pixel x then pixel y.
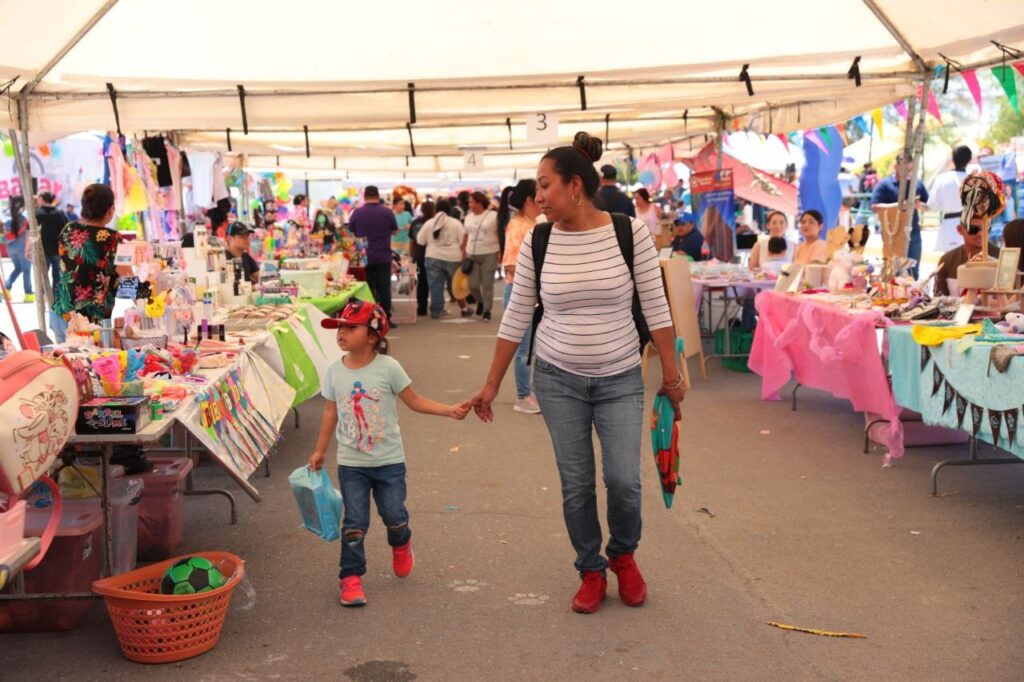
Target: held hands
{"type": "Point", "coordinates": [675, 391]}
{"type": "Point", "coordinates": [481, 403]}
{"type": "Point", "coordinates": [316, 461]}
{"type": "Point", "coordinates": [459, 411]}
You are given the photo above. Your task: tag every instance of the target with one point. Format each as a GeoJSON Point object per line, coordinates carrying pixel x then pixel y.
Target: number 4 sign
{"type": "Point", "coordinates": [473, 160]}
{"type": "Point", "coordinates": [542, 128]}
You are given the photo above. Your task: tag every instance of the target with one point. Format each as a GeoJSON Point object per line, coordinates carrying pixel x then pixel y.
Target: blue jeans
{"type": "Point", "coordinates": [57, 323]}
{"type": "Point", "coordinates": [522, 369]}
{"type": "Point", "coordinates": [22, 265]}
{"type": "Point", "coordinates": [439, 275]}
{"type": "Point", "coordinates": [573, 406]}
{"type": "Point", "coordinates": [914, 251]}
{"type": "Point", "coordinates": [387, 483]}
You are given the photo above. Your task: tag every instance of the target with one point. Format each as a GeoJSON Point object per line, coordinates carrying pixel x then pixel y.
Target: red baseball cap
{"type": "Point", "coordinates": [360, 312]}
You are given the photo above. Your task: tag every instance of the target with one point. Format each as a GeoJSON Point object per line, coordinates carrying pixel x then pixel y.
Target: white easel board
{"type": "Point", "coordinates": [679, 290]}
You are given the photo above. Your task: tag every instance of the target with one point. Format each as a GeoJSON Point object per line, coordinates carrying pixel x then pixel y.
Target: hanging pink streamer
{"type": "Point", "coordinates": [971, 78]}
{"type": "Point", "coordinates": [933, 106]}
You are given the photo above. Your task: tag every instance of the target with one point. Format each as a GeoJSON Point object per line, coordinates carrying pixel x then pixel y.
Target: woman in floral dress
{"type": "Point", "coordinates": [88, 276]}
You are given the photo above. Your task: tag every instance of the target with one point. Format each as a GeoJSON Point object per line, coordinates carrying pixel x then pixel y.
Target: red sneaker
{"type": "Point", "coordinates": [591, 593]}
{"type": "Point", "coordinates": [632, 588]}
{"type": "Point", "coordinates": [402, 559]}
{"type": "Point", "coordinates": [351, 591]}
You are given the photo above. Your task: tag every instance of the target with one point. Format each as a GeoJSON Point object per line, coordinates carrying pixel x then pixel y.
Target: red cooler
{"type": "Point", "coordinates": [162, 507]}
{"type": "Point", "coordinates": [71, 565]}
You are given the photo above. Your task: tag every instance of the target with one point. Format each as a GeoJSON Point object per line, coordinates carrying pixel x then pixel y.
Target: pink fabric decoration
{"type": "Point", "coordinates": [666, 154]}
{"type": "Point", "coordinates": [901, 108]}
{"type": "Point", "coordinates": [669, 176]}
{"type": "Point", "coordinates": [827, 349]}
{"type": "Point", "coordinates": [971, 78]}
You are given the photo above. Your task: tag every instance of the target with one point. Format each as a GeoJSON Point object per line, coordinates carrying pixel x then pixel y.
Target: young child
{"type": "Point", "coordinates": [361, 410]}
{"type": "Point", "coordinates": [777, 255]}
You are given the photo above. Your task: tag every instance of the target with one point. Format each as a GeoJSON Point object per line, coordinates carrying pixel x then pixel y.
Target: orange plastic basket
{"type": "Point", "coordinates": [163, 628]}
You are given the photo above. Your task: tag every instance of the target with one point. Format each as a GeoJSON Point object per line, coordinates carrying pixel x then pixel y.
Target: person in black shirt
{"type": "Point", "coordinates": [51, 221]}
{"type": "Point", "coordinates": [238, 237]}
{"type": "Point", "coordinates": [688, 239]}
{"type": "Point", "coordinates": [609, 197]}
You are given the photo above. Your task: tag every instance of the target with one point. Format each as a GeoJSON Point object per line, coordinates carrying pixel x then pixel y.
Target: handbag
{"type": "Point", "coordinates": [319, 502]}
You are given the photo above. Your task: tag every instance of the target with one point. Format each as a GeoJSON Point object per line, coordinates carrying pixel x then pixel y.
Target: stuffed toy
{"type": "Point", "coordinates": [134, 364]}
{"type": "Point", "coordinates": [1013, 324]}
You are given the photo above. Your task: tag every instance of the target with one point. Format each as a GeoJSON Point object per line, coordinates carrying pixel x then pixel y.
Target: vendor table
{"type": "Point", "coordinates": [331, 304]}
{"type": "Point", "coordinates": [733, 293]}
{"type": "Point", "coordinates": [960, 390]}
{"type": "Point", "coordinates": [828, 348]}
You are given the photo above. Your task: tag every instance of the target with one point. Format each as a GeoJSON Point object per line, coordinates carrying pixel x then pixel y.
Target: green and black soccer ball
{"type": "Point", "coordinates": [190, 576]}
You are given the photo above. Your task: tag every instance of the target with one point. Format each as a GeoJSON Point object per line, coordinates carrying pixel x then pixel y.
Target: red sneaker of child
{"type": "Point", "coordinates": [591, 593]}
{"type": "Point", "coordinates": [402, 559]}
{"type": "Point", "coordinates": [351, 591]}
{"type": "Point", "coordinates": [632, 588]}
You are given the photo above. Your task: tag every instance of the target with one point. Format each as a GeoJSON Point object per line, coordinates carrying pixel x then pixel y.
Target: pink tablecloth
{"type": "Point", "coordinates": [827, 348]}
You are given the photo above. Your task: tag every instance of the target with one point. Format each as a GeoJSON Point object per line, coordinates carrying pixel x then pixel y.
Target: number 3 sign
{"type": "Point", "coordinates": [542, 128]}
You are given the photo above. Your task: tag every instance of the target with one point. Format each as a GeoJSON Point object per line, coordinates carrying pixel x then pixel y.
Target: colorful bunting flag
{"type": "Point", "coordinates": [862, 124]}
{"type": "Point", "coordinates": [1020, 67]}
{"type": "Point", "coordinates": [1006, 78]}
{"type": "Point", "coordinates": [977, 416]}
{"type": "Point", "coordinates": [785, 140]}
{"type": "Point", "coordinates": [995, 420]}
{"type": "Point", "coordinates": [947, 400]}
{"type": "Point", "coordinates": [815, 139]}
{"type": "Point", "coordinates": [841, 130]}
{"type": "Point", "coordinates": [961, 408]}
{"type": "Point", "coordinates": [933, 106]}
{"type": "Point", "coordinates": [876, 116]}
{"type": "Point", "coordinates": [971, 78]}
{"type": "Point", "coordinates": [901, 108]}
{"type": "Point", "coordinates": [823, 131]}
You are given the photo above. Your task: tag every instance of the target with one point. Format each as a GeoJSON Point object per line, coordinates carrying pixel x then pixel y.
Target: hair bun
{"type": "Point", "coordinates": [591, 145]}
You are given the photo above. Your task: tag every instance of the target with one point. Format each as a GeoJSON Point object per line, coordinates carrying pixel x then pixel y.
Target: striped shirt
{"type": "Point", "coordinates": [587, 328]}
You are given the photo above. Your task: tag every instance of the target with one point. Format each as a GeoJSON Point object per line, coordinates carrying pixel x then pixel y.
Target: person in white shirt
{"type": "Point", "coordinates": [944, 197]}
{"type": "Point", "coordinates": [482, 248]}
{"type": "Point", "coordinates": [443, 237]}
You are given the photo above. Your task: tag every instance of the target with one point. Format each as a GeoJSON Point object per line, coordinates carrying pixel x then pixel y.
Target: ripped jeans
{"type": "Point", "coordinates": [387, 483]}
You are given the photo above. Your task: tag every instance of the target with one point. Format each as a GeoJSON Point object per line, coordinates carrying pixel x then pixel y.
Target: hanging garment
{"type": "Point", "coordinates": [220, 189]}
{"type": "Point", "coordinates": [174, 159]}
{"type": "Point", "coordinates": [202, 178]}
{"type": "Point", "coordinates": [119, 180]}
{"type": "Point", "coordinates": [156, 148]}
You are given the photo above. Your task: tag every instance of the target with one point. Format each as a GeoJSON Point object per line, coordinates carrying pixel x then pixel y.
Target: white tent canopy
{"type": "Point", "coordinates": [346, 77]}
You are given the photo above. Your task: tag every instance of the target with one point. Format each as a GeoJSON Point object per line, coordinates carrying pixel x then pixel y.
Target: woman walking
{"type": "Point", "coordinates": [648, 212]}
{"type": "Point", "coordinates": [587, 365]}
{"type": "Point", "coordinates": [443, 237]}
{"type": "Point", "coordinates": [16, 233]}
{"type": "Point", "coordinates": [483, 250]}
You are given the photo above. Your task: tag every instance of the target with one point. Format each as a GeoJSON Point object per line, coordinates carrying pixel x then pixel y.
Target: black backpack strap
{"type": "Point", "coordinates": [541, 235]}
{"type": "Point", "coordinates": [624, 235]}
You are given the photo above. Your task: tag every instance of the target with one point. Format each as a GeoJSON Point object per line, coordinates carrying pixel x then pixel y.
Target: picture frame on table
{"type": "Point", "coordinates": [1006, 270]}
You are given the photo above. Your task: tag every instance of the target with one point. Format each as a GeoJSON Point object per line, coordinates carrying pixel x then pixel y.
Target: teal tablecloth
{"type": "Point", "coordinates": [959, 390]}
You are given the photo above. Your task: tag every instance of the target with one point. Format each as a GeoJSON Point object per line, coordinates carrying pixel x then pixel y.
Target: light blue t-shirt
{"type": "Point", "coordinates": [368, 433]}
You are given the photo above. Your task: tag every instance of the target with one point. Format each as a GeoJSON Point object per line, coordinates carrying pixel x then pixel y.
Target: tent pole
{"type": "Point", "coordinates": [23, 161]}
{"type": "Point", "coordinates": [917, 151]}
{"type": "Point", "coordinates": [907, 194]}
{"type": "Point", "coordinates": [538, 85]}
{"type": "Point", "coordinates": [895, 33]}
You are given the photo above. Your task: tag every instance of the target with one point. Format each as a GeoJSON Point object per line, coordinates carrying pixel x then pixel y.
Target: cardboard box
{"type": "Point", "coordinates": [101, 416]}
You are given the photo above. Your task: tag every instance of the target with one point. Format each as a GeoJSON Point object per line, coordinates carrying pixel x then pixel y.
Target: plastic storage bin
{"type": "Point", "coordinates": [740, 343]}
{"type": "Point", "coordinates": [162, 508]}
{"type": "Point", "coordinates": [125, 495]}
{"type": "Point", "coordinates": [71, 565]}
{"type": "Point", "coordinates": [12, 528]}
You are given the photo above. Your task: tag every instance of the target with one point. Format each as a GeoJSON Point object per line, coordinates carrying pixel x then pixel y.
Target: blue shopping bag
{"type": "Point", "coordinates": [319, 502]}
